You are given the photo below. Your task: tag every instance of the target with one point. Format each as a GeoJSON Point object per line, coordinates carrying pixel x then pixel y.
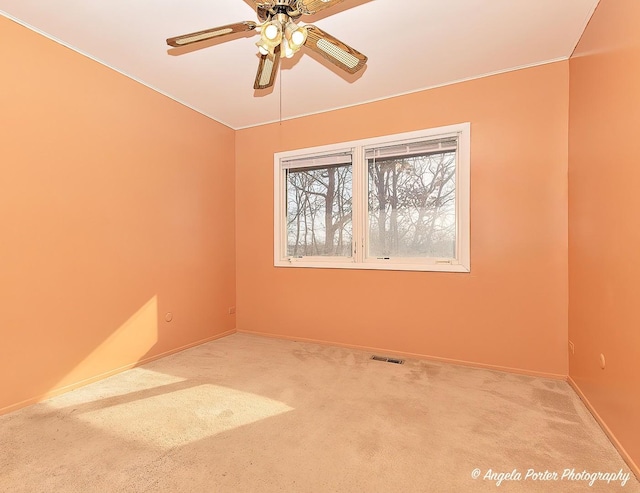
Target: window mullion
{"type": "Point", "coordinates": [364, 186]}
{"type": "Point", "coordinates": [358, 204]}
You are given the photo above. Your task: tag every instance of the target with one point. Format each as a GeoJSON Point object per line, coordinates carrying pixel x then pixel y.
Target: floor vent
{"type": "Point", "coordinates": [395, 361]}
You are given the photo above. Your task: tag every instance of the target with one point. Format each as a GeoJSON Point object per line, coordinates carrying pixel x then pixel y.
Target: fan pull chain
{"type": "Point", "coordinates": [280, 109]}
{"type": "Point", "coordinates": [280, 84]}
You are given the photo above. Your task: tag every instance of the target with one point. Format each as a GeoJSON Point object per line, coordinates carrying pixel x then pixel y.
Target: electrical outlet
{"type": "Point", "coordinates": [572, 348]}
{"type": "Point", "coordinates": [232, 310]}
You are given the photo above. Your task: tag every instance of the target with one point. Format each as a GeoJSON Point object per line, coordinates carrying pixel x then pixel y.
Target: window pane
{"type": "Point", "coordinates": [412, 203]}
{"type": "Point", "coordinates": [319, 211]}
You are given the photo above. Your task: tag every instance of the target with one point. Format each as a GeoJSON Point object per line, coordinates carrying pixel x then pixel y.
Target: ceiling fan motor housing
{"type": "Point", "coordinates": [285, 7]}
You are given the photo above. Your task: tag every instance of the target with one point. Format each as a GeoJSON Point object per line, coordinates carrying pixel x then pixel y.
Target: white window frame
{"type": "Point", "coordinates": [360, 216]}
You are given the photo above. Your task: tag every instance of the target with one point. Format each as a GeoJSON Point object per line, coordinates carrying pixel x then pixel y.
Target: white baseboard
{"type": "Point", "coordinates": [450, 361]}
{"type": "Point", "coordinates": [616, 443]}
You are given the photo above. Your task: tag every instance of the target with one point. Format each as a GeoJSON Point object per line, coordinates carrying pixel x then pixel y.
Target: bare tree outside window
{"type": "Point", "coordinates": [412, 205]}
{"type": "Point", "coordinates": [319, 219]}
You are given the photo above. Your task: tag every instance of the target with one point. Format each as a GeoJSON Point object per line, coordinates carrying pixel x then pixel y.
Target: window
{"type": "Point", "coordinates": [399, 202]}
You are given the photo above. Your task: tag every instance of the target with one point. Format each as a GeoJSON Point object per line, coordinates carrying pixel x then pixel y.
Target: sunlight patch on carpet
{"type": "Point", "coordinates": [184, 416]}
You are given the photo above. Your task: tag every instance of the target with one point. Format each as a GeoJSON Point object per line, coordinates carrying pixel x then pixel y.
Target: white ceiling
{"type": "Point", "coordinates": [411, 45]}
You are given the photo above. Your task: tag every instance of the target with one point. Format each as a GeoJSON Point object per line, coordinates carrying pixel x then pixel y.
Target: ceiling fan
{"type": "Point", "coordinates": [281, 36]}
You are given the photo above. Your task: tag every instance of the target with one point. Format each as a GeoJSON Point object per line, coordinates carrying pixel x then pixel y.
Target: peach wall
{"type": "Point", "coordinates": [604, 236]}
{"type": "Point", "coordinates": [117, 206]}
{"type": "Point", "coordinates": [510, 311]}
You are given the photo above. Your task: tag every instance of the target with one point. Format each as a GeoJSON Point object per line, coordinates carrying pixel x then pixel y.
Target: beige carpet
{"type": "Point", "coordinates": [249, 414]}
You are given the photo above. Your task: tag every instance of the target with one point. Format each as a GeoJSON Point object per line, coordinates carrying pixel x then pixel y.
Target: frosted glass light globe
{"type": "Point", "coordinates": [271, 32]}
{"type": "Point", "coordinates": [297, 37]}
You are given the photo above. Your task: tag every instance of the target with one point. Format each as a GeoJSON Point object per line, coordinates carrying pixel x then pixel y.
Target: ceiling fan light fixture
{"type": "Point", "coordinates": [266, 47]}
{"type": "Point", "coordinates": [295, 35]}
{"type": "Point", "coordinates": [270, 37]}
{"type": "Point", "coordinates": [271, 31]}
{"type": "Point", "coordinates": [298, 37]}
{"type": "Point", "coordinates": [286, 49]}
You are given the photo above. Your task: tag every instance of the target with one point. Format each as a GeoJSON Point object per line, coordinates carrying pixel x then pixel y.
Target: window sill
{"type": "Point", "coordinates": [397, 266]}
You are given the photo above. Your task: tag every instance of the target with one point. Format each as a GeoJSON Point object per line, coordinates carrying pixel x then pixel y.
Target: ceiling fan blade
{"type": "Point", "coordinates": [267, 70]}
{"type": "Point", "coordinates": [313, 6]}
{"type": "Point", "coordinates": [334, 50]}
{"type": "Point", "coordinates": [216, 32]}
